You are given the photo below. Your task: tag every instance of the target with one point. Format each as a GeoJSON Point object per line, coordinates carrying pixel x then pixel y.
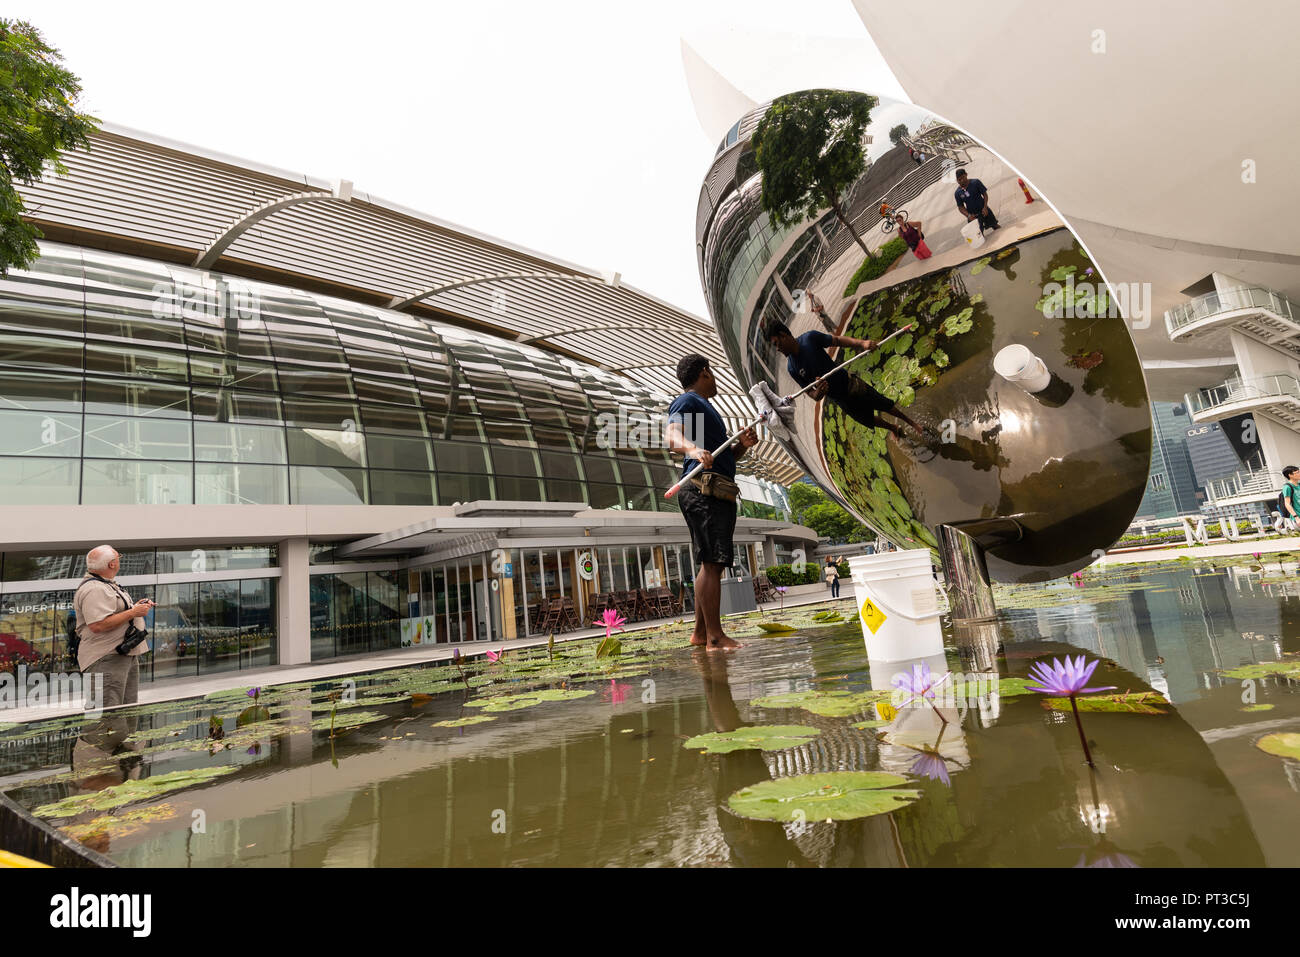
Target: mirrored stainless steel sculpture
{"type": "Point", "coordinates": [1035, 433]}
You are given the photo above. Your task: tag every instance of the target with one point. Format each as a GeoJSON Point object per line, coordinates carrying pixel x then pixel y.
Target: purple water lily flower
{"type": "Point", "coordinates": [1064, 680]}
{"type": "Point", "coordinates": [253, 692]}
{"type": "Point", "coordinates": [1067, 680]}
{"type": "Point", "coordinates": [930, 764]}
{"type": "Point", "coordinates": [919, 682]}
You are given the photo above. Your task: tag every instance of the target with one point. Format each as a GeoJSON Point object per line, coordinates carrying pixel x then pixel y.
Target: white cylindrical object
{"type": "Point", "coordinates": [898, 605]}
{"type": "Point", "coordinates": [973, 235]}
{"type": "Point", "coordinates": [1019, 366]}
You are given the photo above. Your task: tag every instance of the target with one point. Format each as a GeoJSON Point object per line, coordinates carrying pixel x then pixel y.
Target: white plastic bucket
{"type": "Point", "coordinates": [898, 606]}
{"type": "Point", "coordinates": [1021, 367]}
{"type": "Point", "coordinates": [972, 234]}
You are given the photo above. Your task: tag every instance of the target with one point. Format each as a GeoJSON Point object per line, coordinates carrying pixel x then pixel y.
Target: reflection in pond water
{"type": "Point", "coordinates": [605, 779]}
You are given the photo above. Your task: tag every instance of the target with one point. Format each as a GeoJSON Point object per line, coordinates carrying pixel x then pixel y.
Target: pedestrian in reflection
{"type": "Point", "coordinates": [1289, 499]}
{"type": "Point", "coordinates": [973, 201]}
{"type": "Point", "coordinates": [910, 230]}
{"type": "Point", "coordinates": [806, 360]}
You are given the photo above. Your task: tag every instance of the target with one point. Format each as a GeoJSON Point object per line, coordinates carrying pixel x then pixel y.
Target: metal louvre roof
{"type": "Point", "coordinates": [138, 193]}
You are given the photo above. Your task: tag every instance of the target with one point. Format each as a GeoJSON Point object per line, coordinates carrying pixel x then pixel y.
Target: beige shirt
{"type": "Point", "coordinates": [95, 602]}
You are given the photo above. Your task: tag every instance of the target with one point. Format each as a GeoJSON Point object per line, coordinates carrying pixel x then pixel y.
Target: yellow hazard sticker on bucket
{"type": "Point", "coordinates": [872, 616]}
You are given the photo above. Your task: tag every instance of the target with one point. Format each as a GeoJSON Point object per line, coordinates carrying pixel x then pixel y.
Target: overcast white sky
{"type": "Point", "coordinates": [564, 126]}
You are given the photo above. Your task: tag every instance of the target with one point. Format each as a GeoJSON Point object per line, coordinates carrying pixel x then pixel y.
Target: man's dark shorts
{"type": "Point", "coordinates": [712, 522]}
{"type": "Point", "coordinates": [862, 402]}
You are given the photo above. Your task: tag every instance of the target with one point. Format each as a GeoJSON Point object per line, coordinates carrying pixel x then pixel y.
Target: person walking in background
{"type": "Point", "coordinates": [107, 630]}
{"type": "Point", "coordinates": [833, 576]}
{"type": "Point", "coordinates": [973, 201]}
{"type": "Point", "coordinates": [910, 230]}
{"type": "Point", "coordinates": [1288, 500]}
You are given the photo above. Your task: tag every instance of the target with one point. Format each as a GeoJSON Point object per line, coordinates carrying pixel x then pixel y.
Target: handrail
{"type": "Point", "coordinates": [1228, 300]}
{"type": "Point", "coordinates": [1237, 389]}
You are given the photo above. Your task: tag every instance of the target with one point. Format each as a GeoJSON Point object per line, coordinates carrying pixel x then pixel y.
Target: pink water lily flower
{"type": "Point", "coordinates": [611, 621]}
{"type": "Point", "coordinates": [496, 655]}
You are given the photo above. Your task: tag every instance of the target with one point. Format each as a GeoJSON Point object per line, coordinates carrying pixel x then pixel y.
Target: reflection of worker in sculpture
{"type": "Point", "coordinates": [973, 201]}
{"type": "Point", "coordinates": [806, 360]}
{"type": "Point", "coordinates": [910, 230]}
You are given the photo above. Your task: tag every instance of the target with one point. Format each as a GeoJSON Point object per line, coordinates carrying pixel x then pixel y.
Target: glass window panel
{"type": "Point", "coordinates": [641, 499]}
{"type": "Point", "coordinates": [385, 612]}
{"type": "Point", "coordinates": [40, 352]}
{"type": "Point", "coordinates": [47, 566]}
{"type": "Point", "coordinates": [454, 487]}
{"type": "Point", "coordinates": [258, 623]}
{"type": "Point", "coordinates": [322, 617]}
{"type": "Point", "coordinates": [121, 315]}
{"type": "Point", "coordinates": [561, 438]}
{"type": "Point", "coordinates": [110, 437]}
{"type": "Point", "coordinates": [30, 480]}
{"type": "Point", "coordinates": [386, 364]}
{"type": "Point", "coordinates": [319, 413]}
{"type": "Point", "coordinates": [601, 495]}
{"type": "Point", "coordinates": [633, 471]}
{"type": "Point", "coordinates": [219, 644]}
{"type": "Point", "coordinates": [391, 418]}
{"type": "Point", "coordinates": [39, 390]}
{"type": "Point", "coordinates": [39, 433]}
{"type": "Point", "coordinates": [315, 381]}
{"type": "Point", "coordinates": [226, 337]}
{"type": "Point", "coordinates": [464, 427]}
{"type": "Point", "coordinates": [174, 632]}
{"type": "Point", "coordinates": [459, 457]}
{"type": "Point", "coordinates": [398, 452]}
{"type": "Point", "coordinates": [562, 490]}
{"type": "Point", "coordinates": [135, 362]}
{"type": "Point", "coordinates": [400, 488]}
{"type": "Point", "coordinates": [512, 488]}
{"type": "Point", "coordinates": [557, 465]}
{"type": "Point", "coordinates": [352, 613]}
{"type": "Point", "coordinates": [326, 486]}
{"type": "Point", "coordinates": [226, 406]}
{"type": "Point", "coordinates": [47, 295]}
{"type": "Point", "coordinates": [225, 483]}
{"type": "Point", "coordinates": [125, 397]}
{"type": "Point", "coordinates": [511, 461]}
{"type": "Point", "coordinates": [599, 468]}
{"type": "Point", "coordinates": [333, 447]}
{"type": "Point", "coordinates": [231, 372]}
{"type": "Point", "coordinates": [387, 390]}
{"type": "Point", "coordinates": [324, 351]}
{"type": "Point", "coordinates": [508, 433]}
{"type": "Point", "coordinates": [214, 558]}
{"type": "Point", "coordinates": [219, 442]}
{"type": "Point", "coordinates": [108, 482]}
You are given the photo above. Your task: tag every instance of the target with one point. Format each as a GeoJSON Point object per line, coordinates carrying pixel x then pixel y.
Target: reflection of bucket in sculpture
{"type": "Point", "coordinates": [897, 604]}
{"type": "Point", "coordinates": [1021, 367]}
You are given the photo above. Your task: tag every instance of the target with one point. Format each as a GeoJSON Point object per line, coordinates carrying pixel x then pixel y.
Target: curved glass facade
{"type": "Point", "coordinates": [131, 381]}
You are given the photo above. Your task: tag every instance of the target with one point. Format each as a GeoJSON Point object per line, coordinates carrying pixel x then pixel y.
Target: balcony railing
{"type": "Point", "coordinates": [1229, 300]}
{"type": "Point", "coordinates": [1238, 390]}
{"type": "Point", "coordinates": [1258, 482]}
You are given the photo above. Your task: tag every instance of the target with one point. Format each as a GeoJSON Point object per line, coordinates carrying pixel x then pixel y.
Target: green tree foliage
{"type": "Point", "coordinates": [809, 148]}
{"type": "Point", "coordinates": [38, 121]}
{"type": "Point", "coordinates": [812, 507]}
{"type": "Point", "coordinates": [897, 133]}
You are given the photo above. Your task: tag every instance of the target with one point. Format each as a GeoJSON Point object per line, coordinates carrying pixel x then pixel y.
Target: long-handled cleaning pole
{"type": "Point", "coordinates": [736, 436]}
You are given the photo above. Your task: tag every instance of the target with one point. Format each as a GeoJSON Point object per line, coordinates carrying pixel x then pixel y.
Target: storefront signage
{"type": "Point", "coordinates": [586, 566]}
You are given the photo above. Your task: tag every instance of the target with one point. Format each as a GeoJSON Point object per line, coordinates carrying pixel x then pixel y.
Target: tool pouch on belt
{"type": "Point", "coordinates": [716, 485]}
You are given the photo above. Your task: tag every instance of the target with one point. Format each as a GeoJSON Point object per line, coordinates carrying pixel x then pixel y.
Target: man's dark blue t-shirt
{"type": "Point", "coordinates": [972, 196]}
{"type": "Point", "coordinates": [702, 425]}
{"type": "Point", "coordinates": [811, 361]}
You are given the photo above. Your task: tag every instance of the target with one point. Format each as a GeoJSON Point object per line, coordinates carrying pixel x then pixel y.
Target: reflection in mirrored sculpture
{"type": "Point", "coordinates": [1017, 394]}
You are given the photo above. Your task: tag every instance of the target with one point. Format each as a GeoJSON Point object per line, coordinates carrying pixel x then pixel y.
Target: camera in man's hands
{"type": "Point", "coordinates": [135, 633]}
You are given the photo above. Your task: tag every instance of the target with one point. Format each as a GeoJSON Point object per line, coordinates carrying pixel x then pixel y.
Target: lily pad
{"type": "Point", "coordinates": [1268, 669]}
{"type": "Point", "coordinates": [120, 825]}
{"type": "Point", "coordinates": [1007, 688]}
{"type": "Point", "coordinates": [608, 646]}
{"type": "Point", "coordinates": [1285, 744]}
{"type": "Point", "coordinates": [980, 265]}
{"type": "Point", "coordinates": [831, 796]}
{"type": "Point", "coordinates": [868, 725]}
{"type": "Point", "coordinates": [1257, 707]}
{"type": "Point", "coordinates": [772, 737]}
{"type": "Point", "coordinates": [461, 722]}
{"type": "Point", "coordinates": [132, 792]}
{"type": "Point", "coordinates": [1135, 702]}
{"type": "Point", "coordinates": [776, 627]}
{"type": "Point", "coordinates": [828, 704]}
{"type": "Point", "coordinates": [516, 702]}
{"type": "Point", "coordinates": [347, 719]}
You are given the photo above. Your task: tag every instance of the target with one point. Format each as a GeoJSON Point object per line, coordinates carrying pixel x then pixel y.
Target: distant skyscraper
{"type": "Point", "coordinates": [1172, 485]}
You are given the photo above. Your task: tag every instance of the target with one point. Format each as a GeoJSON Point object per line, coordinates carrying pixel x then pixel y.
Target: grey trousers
{"type": "Point", "coordinates": [120, 677]}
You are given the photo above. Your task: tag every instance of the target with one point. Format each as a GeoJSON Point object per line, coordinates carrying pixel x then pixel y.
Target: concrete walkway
{"type": "Point", "coordinates": [1213, 550]}
{"type": "Point", "coordinates": [176, 689]}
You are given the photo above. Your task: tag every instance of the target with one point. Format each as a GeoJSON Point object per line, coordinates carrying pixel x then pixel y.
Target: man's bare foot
{"type": "Point", "coordinates": [723, 643]}
{"type": "Point", "coordinates": [698, 640]}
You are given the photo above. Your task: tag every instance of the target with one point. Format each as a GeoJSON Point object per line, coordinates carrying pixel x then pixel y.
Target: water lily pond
{"type": "Point", "coordinates": [789, 752]}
